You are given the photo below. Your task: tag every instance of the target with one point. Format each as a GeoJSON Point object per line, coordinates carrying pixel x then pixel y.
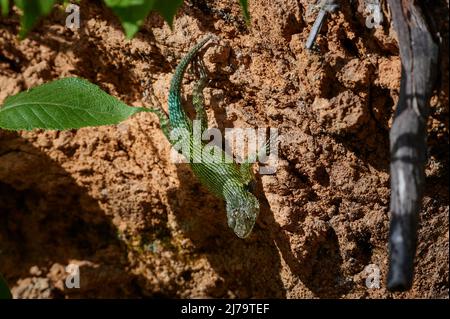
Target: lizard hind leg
{"type": "Point", "coordinates": [163, 120]}
{"type": "Point", "coordinates": [197, 94]}
{"type": "Point", "coordinates": [148, 97]}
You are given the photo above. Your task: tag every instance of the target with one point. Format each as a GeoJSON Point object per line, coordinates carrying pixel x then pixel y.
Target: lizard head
{"type": "Point", "coordinates": [242, 212]}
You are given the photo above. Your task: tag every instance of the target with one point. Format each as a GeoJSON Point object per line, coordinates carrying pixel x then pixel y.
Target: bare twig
{"type": "Point", "coordinates": [325, 7]}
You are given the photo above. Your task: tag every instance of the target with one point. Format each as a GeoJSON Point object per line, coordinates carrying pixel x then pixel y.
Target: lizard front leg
{"type": "Point", "coordinates": [246, 165]}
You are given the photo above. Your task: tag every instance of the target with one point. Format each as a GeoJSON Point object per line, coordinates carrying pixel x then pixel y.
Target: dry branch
{"type": "Point", "coordinates": [419, 55]}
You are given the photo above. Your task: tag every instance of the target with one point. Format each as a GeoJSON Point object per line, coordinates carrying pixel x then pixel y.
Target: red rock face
{"type": "Point", "coordinates": [109, 200]}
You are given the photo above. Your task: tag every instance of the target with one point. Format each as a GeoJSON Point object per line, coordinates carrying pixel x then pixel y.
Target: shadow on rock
{"type": "Point", "coordinates": [247, 268]}
{"type": "Point", "coordinates": [47, 221]}
{"type": "Point", "coordinates": [251, 267]}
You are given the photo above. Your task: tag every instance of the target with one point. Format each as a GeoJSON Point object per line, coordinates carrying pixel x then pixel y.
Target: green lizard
{"type": "Point", "coordinates": [226, 179]}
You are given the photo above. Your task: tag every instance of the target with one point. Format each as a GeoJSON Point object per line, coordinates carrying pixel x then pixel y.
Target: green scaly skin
{"type": "Point", "coordinates": [225, 179]}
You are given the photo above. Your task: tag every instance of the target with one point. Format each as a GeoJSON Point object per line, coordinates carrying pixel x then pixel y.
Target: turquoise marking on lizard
{"type": "Point", "coordinates": [225, 179]}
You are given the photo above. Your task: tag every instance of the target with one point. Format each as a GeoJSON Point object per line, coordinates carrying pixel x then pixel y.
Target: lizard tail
{"type": "Point", "coordinates": [175, 109]}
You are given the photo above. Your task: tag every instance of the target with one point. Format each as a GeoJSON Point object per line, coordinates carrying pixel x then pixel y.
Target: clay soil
{"type": "Point", "coordinates": [110, 200]}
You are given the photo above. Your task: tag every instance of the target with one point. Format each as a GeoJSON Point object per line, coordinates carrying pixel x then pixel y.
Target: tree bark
{"type": "Point", "coordinates": [419, 55]}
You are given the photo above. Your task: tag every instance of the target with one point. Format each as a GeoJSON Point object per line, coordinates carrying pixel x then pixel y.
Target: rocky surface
{"type": "Point", "coordinates": [109, 200]}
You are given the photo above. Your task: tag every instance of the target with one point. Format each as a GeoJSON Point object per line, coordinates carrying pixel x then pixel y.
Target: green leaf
{"type": "Point", "coordinates": [31, 12]}
{"type": "Point", "coordinates": [63, 104]}
{"type": "Point", "coordinates": [133, 12]}
{"type": "Point", "coordinates": [168, 9]}
{"type": "Point", "coordinates": [245, 12]}
{"type": "Point", "coordinates": [4, 290]}
{"type": "Point", "coordinates": [4, 7]}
